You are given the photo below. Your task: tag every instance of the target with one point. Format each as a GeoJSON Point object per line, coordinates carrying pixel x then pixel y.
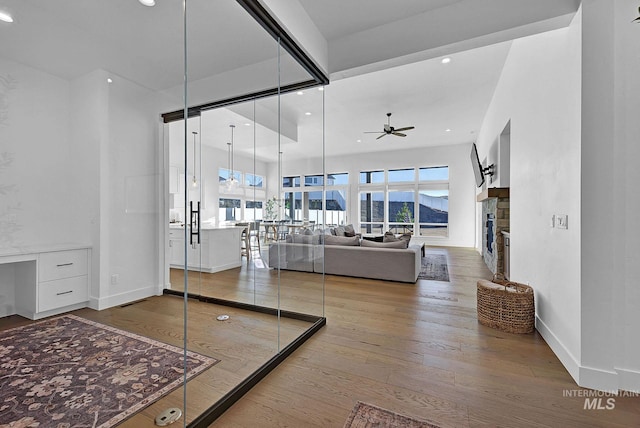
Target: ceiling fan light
{"type": "Point", "coordinates": [148, 2]}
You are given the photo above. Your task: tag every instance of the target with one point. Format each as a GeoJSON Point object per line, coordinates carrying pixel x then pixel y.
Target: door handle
{"type": "Point", "coordinates": [195, 223]}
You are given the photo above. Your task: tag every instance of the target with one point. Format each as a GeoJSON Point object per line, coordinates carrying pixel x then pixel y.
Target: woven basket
{"type": "Point", "coordinates": [505, 305]}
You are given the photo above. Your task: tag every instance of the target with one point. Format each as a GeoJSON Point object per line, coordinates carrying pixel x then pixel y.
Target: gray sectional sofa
{"type": "Point", "coordinates": [347, 256]}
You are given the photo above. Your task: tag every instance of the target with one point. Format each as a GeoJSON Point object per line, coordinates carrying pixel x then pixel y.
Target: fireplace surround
{"type": "Point", "coordinates": [495, 219]}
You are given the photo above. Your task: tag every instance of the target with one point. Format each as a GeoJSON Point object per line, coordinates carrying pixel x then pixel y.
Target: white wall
{"type": "Point", "coordinates": [610, 250]}
{"type": "Point", "coordinates": [461, 181]}
{"type": "Point", "coordinates": [37, 180]}
{"type": "Point", "coordinates": [626, 303]}
{"type": "Point", "coordinates": [83, 167]}
{"type": "Point", "coordinates": [539, 91]}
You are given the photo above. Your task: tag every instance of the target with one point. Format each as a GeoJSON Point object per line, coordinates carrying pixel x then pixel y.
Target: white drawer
{"type": "Point", "coordinates": [176, 233]}
{"type": "Point", "coordinates": [62, 264]}
{"type": "Point", "coordinates": [62, 292]}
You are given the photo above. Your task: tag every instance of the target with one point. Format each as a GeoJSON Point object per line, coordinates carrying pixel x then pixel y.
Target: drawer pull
{"type": "Point", "coordinates": [64, 264]}
{"type": "Point", "coordinates": [64, 292]}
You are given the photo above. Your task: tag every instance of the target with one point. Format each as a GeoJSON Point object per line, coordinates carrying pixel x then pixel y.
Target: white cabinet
{"type": "Point", "coordinates": [219, 249]}
{"type": "Point", "coordinates": [52, 282]}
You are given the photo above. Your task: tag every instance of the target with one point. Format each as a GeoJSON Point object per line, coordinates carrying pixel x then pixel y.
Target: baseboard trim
{"type": "Point", "coordinates": [566, 358]}
{"type": "Point", "coordinates": [122, 298]}
{"type": "Point", "coordinates": [598, 379]}
{"type": "Point", "coordinates": [628, 380]}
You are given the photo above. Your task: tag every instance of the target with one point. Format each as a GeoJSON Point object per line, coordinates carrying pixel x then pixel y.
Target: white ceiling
{"type": "Point", "coordinates": [383, 57]}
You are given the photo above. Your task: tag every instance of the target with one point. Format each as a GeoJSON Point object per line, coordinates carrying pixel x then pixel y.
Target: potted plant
{"type": "Point", "coordinates": [270, 212]}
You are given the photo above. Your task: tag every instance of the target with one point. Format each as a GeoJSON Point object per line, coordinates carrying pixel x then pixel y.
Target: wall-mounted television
{"type": "Point", "coordinates": [478, 171]}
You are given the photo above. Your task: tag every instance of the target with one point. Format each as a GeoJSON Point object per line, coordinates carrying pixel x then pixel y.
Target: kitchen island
{"type": "Point", "coordinates": [219, 248]}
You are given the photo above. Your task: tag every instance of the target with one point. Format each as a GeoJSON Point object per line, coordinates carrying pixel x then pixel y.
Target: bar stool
{"type": "Point", "coordinates": [245, 245]}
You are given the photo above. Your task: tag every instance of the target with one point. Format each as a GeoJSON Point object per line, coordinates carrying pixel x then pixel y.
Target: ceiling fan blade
{"type": "Point", "coordinates": [373, 132]}
{"type": "Point", "coordinates": [381, 136]}
{"type": "Point", "coordinates": [399, 134]}
{"type": "Point", "coordinates": [407, 128]}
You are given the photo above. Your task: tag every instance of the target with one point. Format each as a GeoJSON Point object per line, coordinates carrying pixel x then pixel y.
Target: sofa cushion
{"type": "Point", "coordinates": [304, 239]}
{"type": "Point", "coordinates": [349, 230]}
{"type": "Point", "coordinates": [390, 237]}
{"type": "Point", "coordinates": [342, 240]}
{"type": "Point", "coordinates": [400, 244]}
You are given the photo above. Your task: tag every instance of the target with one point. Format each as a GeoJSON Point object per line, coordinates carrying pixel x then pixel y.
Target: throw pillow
{"type": "Point", "coordinates": [306, 231]}
{"type": "Point", "coordinates": [341, 240]}
{"type": "Point", "coordinates": [349, 230]}
{"type": "Point", "coordinates": [339, 231]}
{"type": "Point", "coordinates": [401, 245]}
{"type": "Point", "coordinates": [389, 237]}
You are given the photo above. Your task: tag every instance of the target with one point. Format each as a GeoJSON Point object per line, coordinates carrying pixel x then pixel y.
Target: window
{"type": "Point", "coordinates": [293, 205]}
{"type": "Point", "coordinates": [434, 212]}
{"type": "Point", "coordinates": [252, 180]}
{"type": "Point", "coordinates": [313, 200]}
{"type": "Point", "coordinates": [338, 179]}
{"type": "Point", "coordinates": [405, 202]}
{"type": "Point", "coordinates": [372, 212]}
{"type": "Point", "coordinates": [224, 174]}
{"type": "Point", "coordinates": [253, 210]}
{"type": "Point", "coordinates": [367, 177]}
{"type": "Point", "coordinates": [228, 209]}
{"type": "Point", "coordinates": [402, 175]}
{"type": "Point", "coordinates": [313, 180]}
{"type": "Point", "coordinates": [401, 211]}
{"type": "Point", "coordinates": [438, 173]}
{"type": "Point", "coordinates": [336, 202]}
{"type": "Point", "coordinates": [290, 181]}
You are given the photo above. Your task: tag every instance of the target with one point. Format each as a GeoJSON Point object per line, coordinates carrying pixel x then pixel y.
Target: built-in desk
{"type": "Point", "coordinates": [37, 282]}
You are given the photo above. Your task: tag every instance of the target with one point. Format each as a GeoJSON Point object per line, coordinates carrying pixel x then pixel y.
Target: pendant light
{"type": "Point", "coordinates": [231, 184]}
{"type": "Point", "coordinates": [194, 182]}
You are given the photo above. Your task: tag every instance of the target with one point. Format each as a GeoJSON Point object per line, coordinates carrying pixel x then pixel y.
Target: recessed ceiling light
{"type": "Point", "coordinates": [109, 80]}
{"type": "Point", "coordinates": [4, 16]}
{"type": "Point", "coordinates": [358, 141]}
{"type": "Point", "coordinates": [148, 2]}
{"type": "Point", "coordinates": [300, 93]}
{"type": "Point", "coordinates": [446, 60]}
{"type": "Point", "coordinates": [247, 124]}
{"type": "Point", "coordinates": [308, 113]}
{"type": "Point", "coordinates": [447, 130]}
{"type": "Point", "coordinates": [321, 88]}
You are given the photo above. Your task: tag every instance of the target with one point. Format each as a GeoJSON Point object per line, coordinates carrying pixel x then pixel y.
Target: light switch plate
{"type": "Point", "coordinates": [562, 221]}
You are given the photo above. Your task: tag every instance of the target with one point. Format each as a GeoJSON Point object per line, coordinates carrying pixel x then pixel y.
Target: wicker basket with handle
{"type": "Point", "coordinates": [505, 305]}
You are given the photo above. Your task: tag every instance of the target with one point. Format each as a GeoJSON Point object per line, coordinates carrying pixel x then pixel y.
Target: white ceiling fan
{"type": "Point", "coordinates": [390, 130]}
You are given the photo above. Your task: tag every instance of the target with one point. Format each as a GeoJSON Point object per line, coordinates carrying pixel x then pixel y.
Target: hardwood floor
{"type": "Point", "coordinates": [419, 350]}
{"type": "Point", "coordinates": [415, 349]}
{"type": "Point", "coordinates": [242, 344]}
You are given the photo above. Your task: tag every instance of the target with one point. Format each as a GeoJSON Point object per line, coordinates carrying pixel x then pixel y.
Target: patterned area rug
{"type": "Point", "coordinates": [434, 267]}
{"type": "Point", "coordinates": [366, 415]}
{"type": "Point", "coordinates": [72, 372]}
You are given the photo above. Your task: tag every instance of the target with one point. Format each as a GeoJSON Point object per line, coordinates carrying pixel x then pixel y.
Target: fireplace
{"type": "Point", "coordinates": [495, 215]}
{"type": "Point", "coordinates": [489, 235]}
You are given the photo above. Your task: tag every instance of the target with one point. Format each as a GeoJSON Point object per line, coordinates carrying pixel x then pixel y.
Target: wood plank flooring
{"type": "Point", "coordinates": [242, 344]}
{"type": "Point", "coordinates": [419, 350]}
{"type": "Point", "coordinates": [416, 349]}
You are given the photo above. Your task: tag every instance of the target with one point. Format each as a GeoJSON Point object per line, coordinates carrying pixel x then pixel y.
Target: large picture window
{"type": "Point", "coordinates": [405, 202]}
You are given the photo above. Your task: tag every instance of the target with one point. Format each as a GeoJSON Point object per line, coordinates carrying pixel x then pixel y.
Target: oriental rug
{"type": "Point", "coordinates": [434, 267]}
{"type": "Point", "coordinates": [70, 371]}
{"type": "Point", "coordinates": [366, 415]}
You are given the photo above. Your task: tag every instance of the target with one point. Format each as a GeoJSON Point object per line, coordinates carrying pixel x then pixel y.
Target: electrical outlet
{"type": "Point", "coordinates": [115, 279]}
{"type": "Point", "coordinates": [562, 221]}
